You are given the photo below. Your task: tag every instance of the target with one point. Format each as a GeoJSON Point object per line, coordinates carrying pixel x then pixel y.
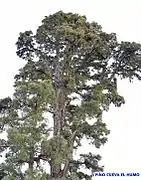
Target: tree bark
{"type": "Point", "coordinates": [31, 160]}
{"type": "Point", "coordinates": [58, 119]}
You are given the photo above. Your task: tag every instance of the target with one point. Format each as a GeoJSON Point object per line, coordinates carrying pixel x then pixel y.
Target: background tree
{"type": "Point", "coordinates": [68, 59]}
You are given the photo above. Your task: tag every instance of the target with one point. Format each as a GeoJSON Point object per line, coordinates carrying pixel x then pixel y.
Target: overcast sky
{"type": "Point", "coordinates": [122, 153]}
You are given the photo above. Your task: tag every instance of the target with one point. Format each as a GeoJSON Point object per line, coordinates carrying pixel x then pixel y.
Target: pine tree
{"type": "Point", "coordinates": [68, 60]}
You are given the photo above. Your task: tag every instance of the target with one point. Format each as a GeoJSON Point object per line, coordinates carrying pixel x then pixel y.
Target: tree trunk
{"type": "Point", "coordinates": [31, 160]}
{"type": "Point", "coordinates": [55, 171]}
{"type": "Point", "coordinates": [58, 119]}
{"type": "Point", "coordinates": [59, 111]}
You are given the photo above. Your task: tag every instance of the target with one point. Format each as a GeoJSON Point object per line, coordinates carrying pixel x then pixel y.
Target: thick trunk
{"type": "Point", "coordinates": [59, 111]}
{"type": "Point", "coordinates": [58, 118]}
{"type": "Point", "coordinates": [57, 123]}
{"type": "Point", "coordinates": [70, 156]}
{"type": "Point", "coordinates": [59, 107]}
{"type": "Point", "coordinates": [55, 171]}
{"type": "Point", "coordinates": [31, 160]}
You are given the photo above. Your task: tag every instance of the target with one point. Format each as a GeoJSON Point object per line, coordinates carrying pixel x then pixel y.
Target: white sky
{"type": "Point", "coordinates": [122, 152]}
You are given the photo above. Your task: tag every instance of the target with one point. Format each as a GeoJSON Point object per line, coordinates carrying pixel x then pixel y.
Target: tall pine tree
{"type": "Point", "coordinates": [71, 73]}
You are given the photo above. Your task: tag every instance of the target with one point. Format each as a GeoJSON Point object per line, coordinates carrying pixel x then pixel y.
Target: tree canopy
{"type": "Point", "coordinates": [68, 60]}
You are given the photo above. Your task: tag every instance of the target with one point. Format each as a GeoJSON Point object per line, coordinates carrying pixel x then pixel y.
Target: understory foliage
{"type": "Point", "coordinates": [68, 81]}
